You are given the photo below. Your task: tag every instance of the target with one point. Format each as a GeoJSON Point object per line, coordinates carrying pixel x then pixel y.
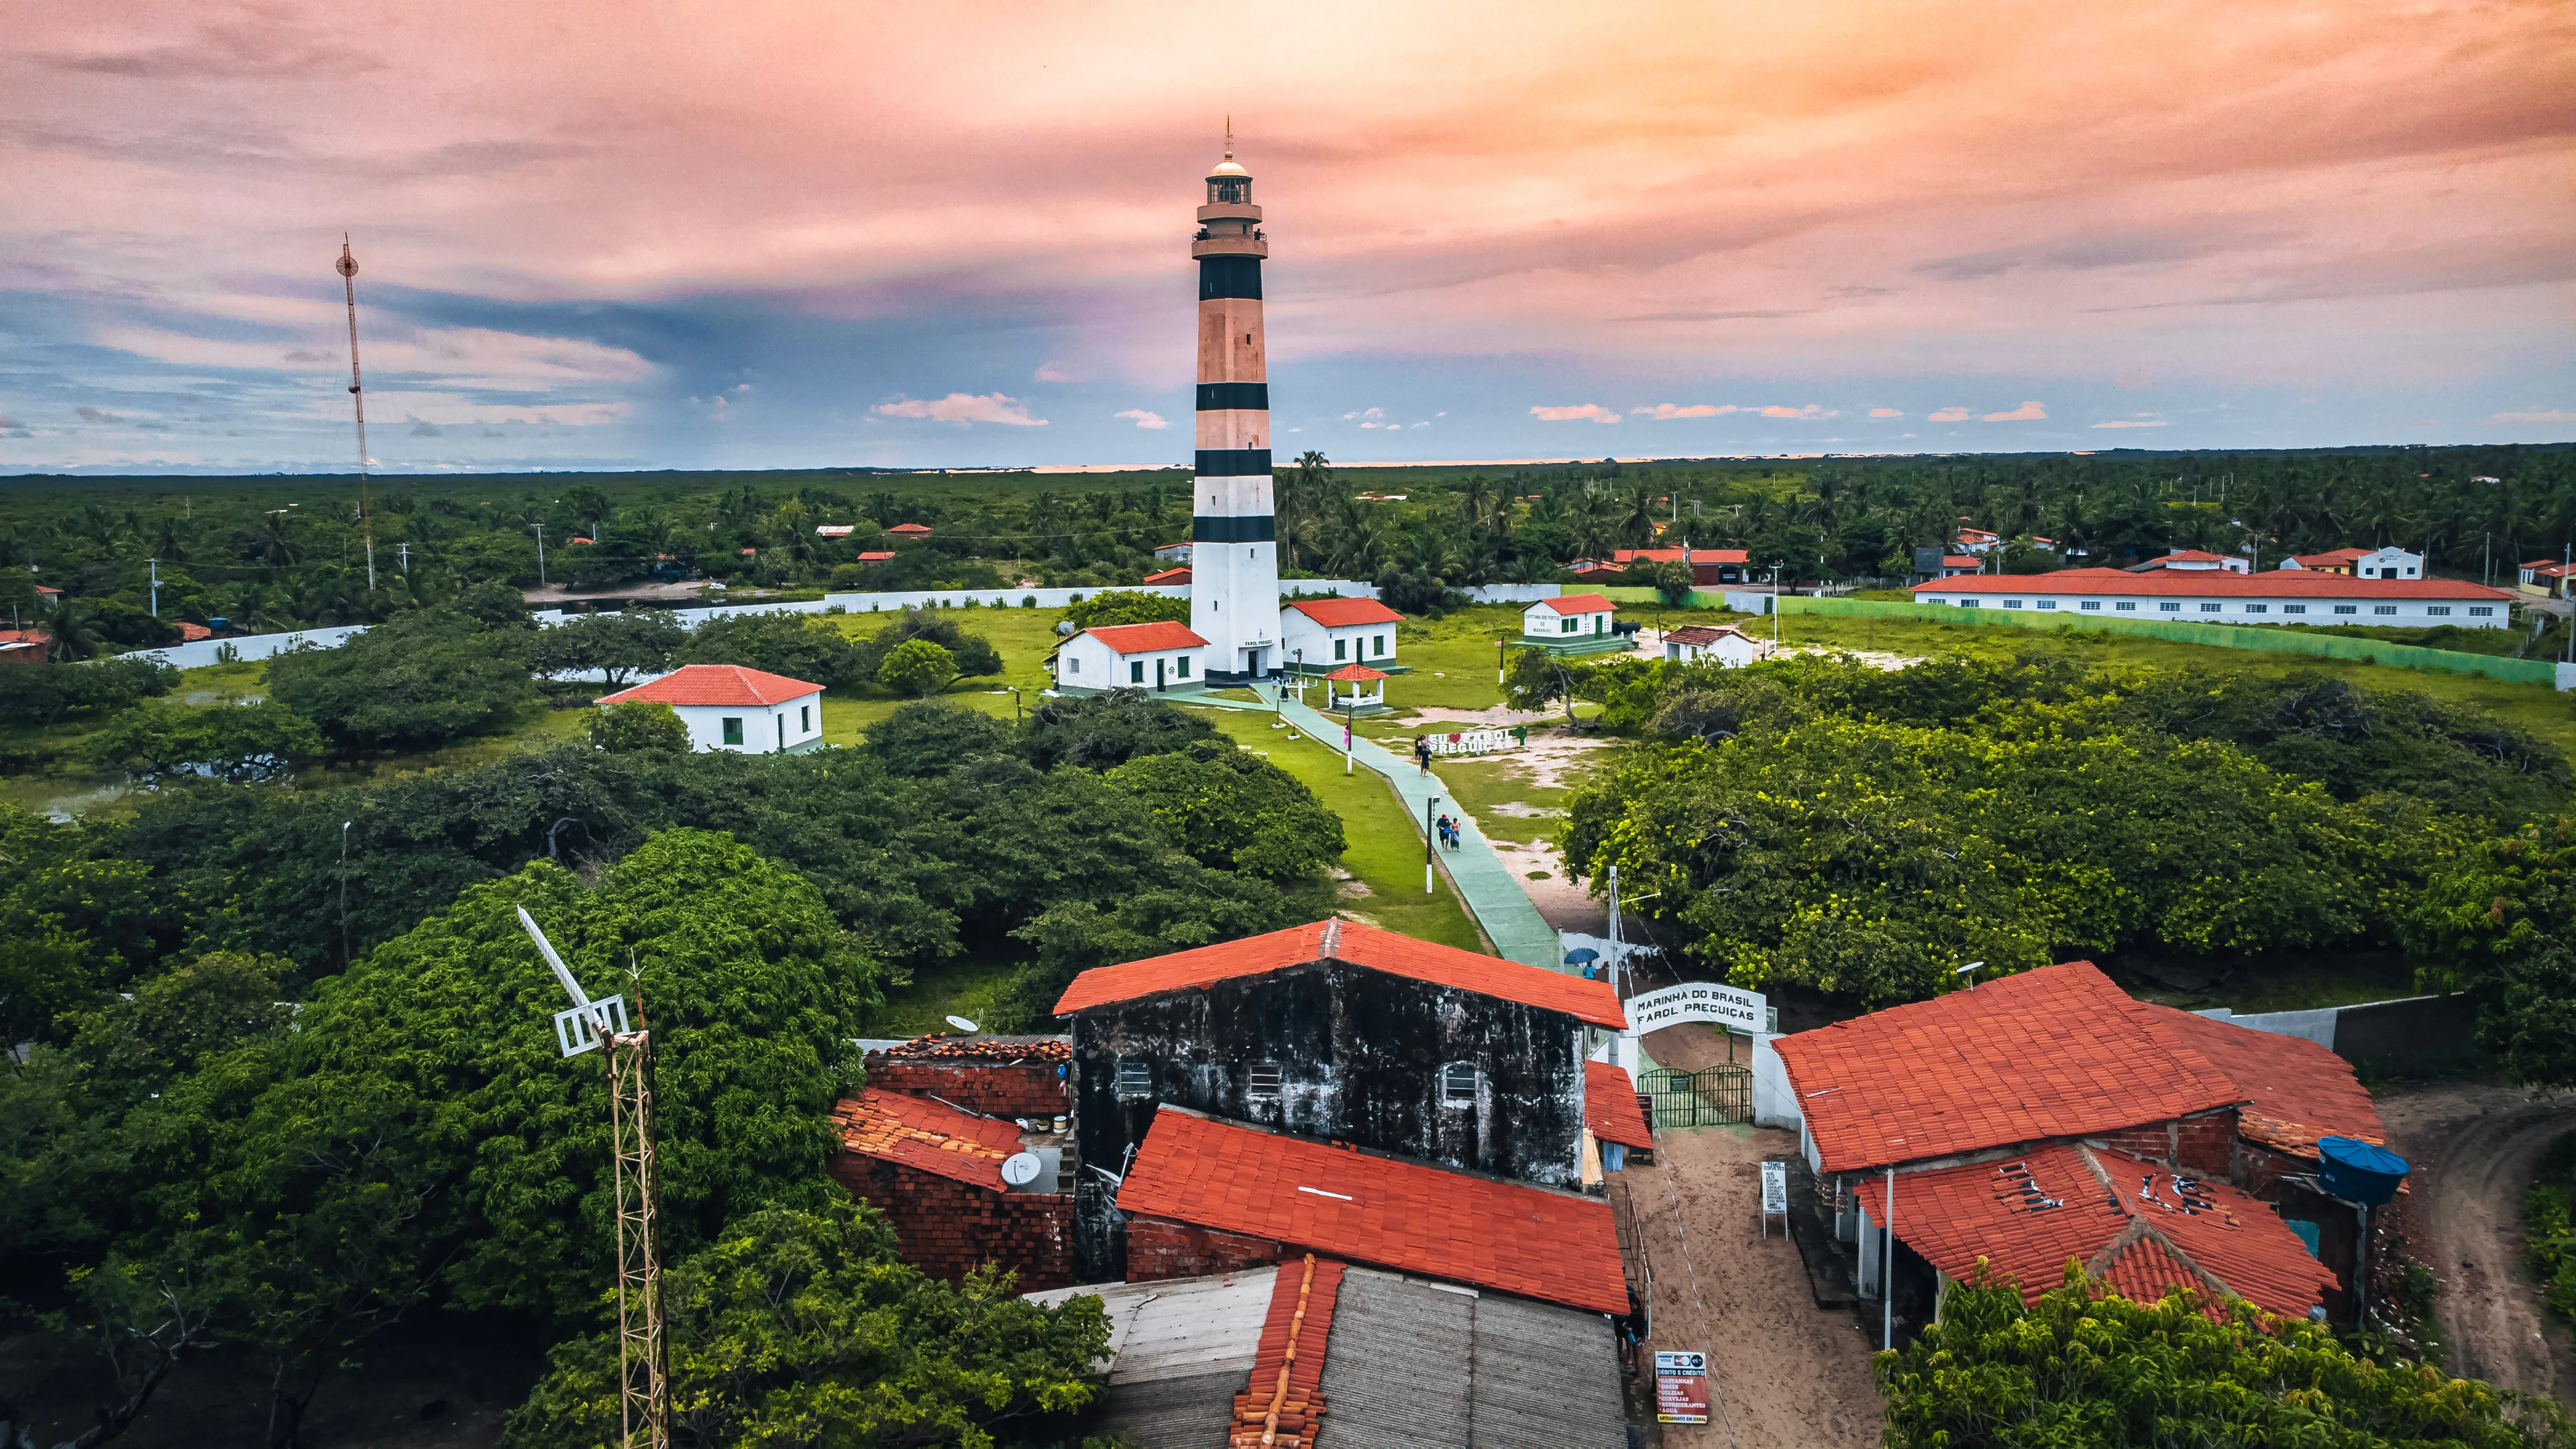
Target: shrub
{"type": "Point", "coordinates": [412, 682]}
{"type": "Point", "coordinates": [917, 667]}
{"type": "Point", "coordinates": [236, 743]}
{"type": "Point", "coordinates": [1126, 606]}
{"type": "Point", "coordinates": [638, 726]}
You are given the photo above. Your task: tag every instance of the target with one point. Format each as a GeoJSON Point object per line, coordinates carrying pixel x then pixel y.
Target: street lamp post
{"type": "Point", "coordinates": [1430, 841]}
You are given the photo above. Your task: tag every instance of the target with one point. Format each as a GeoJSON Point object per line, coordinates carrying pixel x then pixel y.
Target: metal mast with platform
{"type": "Point", "coordinates": [348, 270]}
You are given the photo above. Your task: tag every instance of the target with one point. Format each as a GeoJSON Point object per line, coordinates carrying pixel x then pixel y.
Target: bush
{"type": "Point", "coordinates": [40, 694]}
{"type": "Point", "coordinates": [798, 646]}
{"type": "Point", "coordinates": [1417, 592]}
{"type": "Point", "coordinates": [1233, 810]}
{"type": "Point", "coordinates": [2549, 1226]}
{"type": "Point", "coordinates": [1126, 606]}
{"type": "Point", "coordinates": [916, 667]}
{"type": "Point", "coordinates": [970, 655]}
{"type": "Point", "coordinates": [236, 743]}
{"type": "Point", "coordinates": [638, 726]}
{"type": "Point", "coordinates": [415, 681]}
{"type": "Point", "coordinates": [1101, 732]}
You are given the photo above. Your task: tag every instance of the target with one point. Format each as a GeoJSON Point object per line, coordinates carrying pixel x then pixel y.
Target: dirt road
{"type": "Point", "coordinates": [1787, 1374]}
{"type": "Point", "coordinates": [2473, 1147]}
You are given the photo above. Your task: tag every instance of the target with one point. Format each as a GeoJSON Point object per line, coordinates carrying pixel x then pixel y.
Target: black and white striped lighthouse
{"type": "Point", "coordinates": [1234, 552]}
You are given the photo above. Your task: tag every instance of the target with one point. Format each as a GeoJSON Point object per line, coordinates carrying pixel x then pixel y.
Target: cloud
{"type": "Point", "coordinates": [95, 415]}
{"type": "Point", "coordinates": [2142, 420]}
{"type": "Point", "coordinates": [423, 428]}
{"type": "Point", "coordinates": [2535, 415]}
{"type": "Point", "coordinates": [1058, 372]}
{"type": "Point", "coordinates": [1592, 412]}
{"type": "Point", "coordinates": [1371, 413]}
{"type": "Point", "coordinates": [963, 408]}
{"type": "Point", "coordinates": [1947, 415]}
{"type": "Point", "coordinates": [1885, 413]}
{"type": "Point", "coordinates": [1142, 418]}
{"type": "Point", "coordinates": [1666, 412]}
{"type": "Point", "coordinates": [1809, 413]}
{"type": "Point", "coordinates": [2027, 412]}
{"type": "Point", "coordinates": [742, 387]}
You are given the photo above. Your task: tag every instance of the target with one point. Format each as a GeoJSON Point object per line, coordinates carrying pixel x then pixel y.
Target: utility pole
{"type": "Point", "coordinates": [1614, 928]}
{"type": "Point", "coordinates": [156, 586]}
{"type": "Point", "coordinates": [541, 553]}
{"type": "Point", "coordinates": [1430, 841]}
{"type": "Point", "coordinates": [348, 269]}
{"type": "Point", "coordinates": [403, 551]}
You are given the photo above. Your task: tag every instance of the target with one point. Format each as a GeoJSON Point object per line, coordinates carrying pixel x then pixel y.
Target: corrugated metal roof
{"type": "Point", "coordinates": [1414, 1365]}
{"type": "Point", "coordinates": [1180, 1350]}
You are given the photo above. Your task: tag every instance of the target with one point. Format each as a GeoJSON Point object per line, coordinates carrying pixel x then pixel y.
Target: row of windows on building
{"type": "Point", "coordinates": [2174, 606]}
{"type": "Point", "coordinates": [1376, 649]}
{"type": "Point", "coordinates": [1460, 1082]}
{"type": "Point", "coordinates": [732, 724]}
{"type": "Point", "coordinates": [1136, 668]}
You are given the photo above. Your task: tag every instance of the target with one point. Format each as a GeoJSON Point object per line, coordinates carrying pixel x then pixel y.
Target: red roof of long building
{"type": "Point", "coordinates": [2295, 1090]}
{"type": "Point", "coordinates": [1413, 1218]}
{"type": "Point", "coordinates": [1342, 613]}
{"type": "Point", "coordinates": [2056, 1052]}
{"type": "Point", "coordinates": [1610, 1107]}
{"type": "Point", "coordinates": [2141, 1226]}
{"type": "Point", "coordinates": [2188, 583]}
{"type": "Point", "coordinates": [932, 1136]}
{"type": "Point", "coordinates": [1145, 638]}
{"type": "Point", "coordinates": [717, 685]}
{"type": "Point", "coordinates": [1356, 945]}
{"type": "Point", "coordinates": [1674, 555]}
{"type": "Point", "coordinates": [1581, 604]}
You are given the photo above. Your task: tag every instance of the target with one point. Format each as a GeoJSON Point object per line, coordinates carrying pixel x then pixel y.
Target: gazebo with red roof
{"type": "Point", "coordinates": [737, 709]}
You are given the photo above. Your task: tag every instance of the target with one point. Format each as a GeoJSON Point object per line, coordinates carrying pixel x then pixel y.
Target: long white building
{"type": "Point", "coordinates": [2282, 596]}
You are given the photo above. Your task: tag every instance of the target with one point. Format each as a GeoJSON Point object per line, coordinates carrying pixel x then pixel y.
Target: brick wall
{"type": "Point", "coordinates": [2204, 1144]}
{"type": "Point", "coordinates": [1031, 1089]}
{"type": "Point", "coordinates": [1161, 1248]}
{"type": "Point", "coordinates": [946, 1228]}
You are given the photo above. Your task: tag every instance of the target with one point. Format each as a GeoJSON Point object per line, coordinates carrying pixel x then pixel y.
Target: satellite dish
{"type": "Point", "coordinates": [962, 1024]}
{"type": "Point", "coordinates": [1021, 1168]}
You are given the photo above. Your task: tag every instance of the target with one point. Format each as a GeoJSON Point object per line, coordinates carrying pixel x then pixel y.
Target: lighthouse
{"type": "Point", "coordinates": [1234, 555]}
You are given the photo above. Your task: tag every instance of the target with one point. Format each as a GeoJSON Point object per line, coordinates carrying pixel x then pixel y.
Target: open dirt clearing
{"type": "Point", "coordinates": [1788, 1374]}
{"type": "Point", "coordinates": [2473, 1147]}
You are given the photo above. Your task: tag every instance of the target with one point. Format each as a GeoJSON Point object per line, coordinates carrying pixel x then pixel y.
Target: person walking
{"type": "Point", "coordinates": [1422, 755]}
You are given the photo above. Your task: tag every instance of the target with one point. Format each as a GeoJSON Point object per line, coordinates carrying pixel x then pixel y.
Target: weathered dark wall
{"type": "Point", "coordinates": [1359, 1054]}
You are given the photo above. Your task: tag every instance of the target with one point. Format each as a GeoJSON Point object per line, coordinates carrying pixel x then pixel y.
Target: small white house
{"type": "Point", "coordinates": [1725, 645]}
{"type": "Point", "coordinates": [1131, 656]}
{"type": "Point", "coordinates": [1567, 618]}
{"type": "Point", "coordinates": [1317, 636]}
{"type": "Point", "coordinates": [744, 711]}
{"type": "Point", "coordinates": [2198, 561]}
{"type": "Point", "coordinates": [2390, 562]}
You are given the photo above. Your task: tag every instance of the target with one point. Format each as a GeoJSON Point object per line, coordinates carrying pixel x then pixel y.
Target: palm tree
{"type": "Point", "coordinates": [73, 628]}
{"type": "Point", "coordinates": [278, 546]}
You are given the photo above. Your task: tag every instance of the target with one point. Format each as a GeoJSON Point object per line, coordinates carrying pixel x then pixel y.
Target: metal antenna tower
{"type": "Point", "coordinates": [348, 269]}
{"type": "Point", "coordinates": [643, 1354]}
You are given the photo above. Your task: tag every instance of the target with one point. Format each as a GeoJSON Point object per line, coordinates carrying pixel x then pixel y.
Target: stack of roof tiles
{"type": "Point", "coordinates": [2293, 1090]}
{"type": "Point", "coordinates": [1284, 1400]}
{"type": "Point", "coordinates": [935, 1172]}
{"type": "Point", "coordinates": [1005, 1076]}
{"type": "Point", "coordinates": [940, 1046]}
{"type": "Point", "coordinates": [920, 1133]}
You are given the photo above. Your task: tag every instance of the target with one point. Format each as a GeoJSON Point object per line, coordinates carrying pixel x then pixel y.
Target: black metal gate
{"type": "Point", "coordinates": [1710, 1097]}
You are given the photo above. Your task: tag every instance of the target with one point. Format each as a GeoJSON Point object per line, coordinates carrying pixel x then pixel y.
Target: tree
{"type": "Point", "coordinates": [1233, 810]}
{"type": "Point", "coordinates": [617, 646]}
{"type": "Point", "coordinates": [413, 682]}
{"type": "Point", "coordinates": [804, 1327]}
{"type": "Point", "coordinates": [1126, 606]}
{"type": "Point", "coordinates": [930, 741]}
{"type": "Point", "coordinates": [972, 656]}
{"type": "Point", "coordinates": [42, 696]}
{"type": "Point", "coordinates": [238, 743]}
{"type": "Point", "coordinates": [1100, 732]}
{"type": "Point", "coordinates": [1672, 579]}
{"type": "Point", "coordinates": [634, 726]}
{"type": "Point", "coordinates": [798, 646]}
{"type": "Point", "coordinates": [917, 667]}
{"type": "Point", "coordinates": [2497, 919]}
{"type": "Point", "coordinates": [2082, 1365]}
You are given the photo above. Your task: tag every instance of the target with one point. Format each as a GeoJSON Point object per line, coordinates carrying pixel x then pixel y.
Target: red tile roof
{"type": "Point", "coordinates": [1356, 945]}
{"type": "Point", "coordinates": [1355, 674]}
{"type": "Point", "coordinates": [1581, 604]}
{"type": "Point", "coordinates": [910, 530]}
{"type": "Point", "coordinates": [718, 685]}
{"type": "Point", "coordinates": [2295, 1090]}
{"type": "Point", "coordinates": [191, 633]}
{"type": "Point", "coordinates": [2329, 560]}
{"type": "Point", "coordinates": [876, 556]}
{"type": "Point", "coordinates": [2193, 555]}
{"type": "Point", "coordinates": [2057, 1052]}
{"type": "Point", "coordinates": [1610, 1107]}
{"type": "Point", "coordinates": [932, 1136]}
{"type": "Point", "coordinates": [1962, 561]}
{"type": "Point", "coordinates": [2141, 1226]}
{"type": "Point", "coordinates": [1553, 1246]}
{"type": "Point", "coordinates": [1146, 638]}
{"type": "Point", "coordinates": [1702, 634]}
{"type": "Point", "coordinates": [1179, 575]}
{"type": "Point", "coordinates": [1285, 1395]}
{"type": "Point", "coordinates": [1341, 613]}
{"type": "Point", "coordinates": [2278, 584]}
{"type": "Point", "coordinates": [1674, 555]}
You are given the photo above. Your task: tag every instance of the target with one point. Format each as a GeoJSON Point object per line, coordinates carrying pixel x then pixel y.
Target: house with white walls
{"type": "Point", "coordinates": [1317, 636]}
{"type": "Point", "coordinates": [736, 709]}
{"type": "Point", "coordinates": [2281, 596]}
{"type": "Point", "coordinates": [2196, 561]}
{"type": "Point", "coordinates": [1160, 657]}
{"type": "Point", "coordinates": [1725, 645]}
{"type": "Point", "coordinates": [2390, 562]}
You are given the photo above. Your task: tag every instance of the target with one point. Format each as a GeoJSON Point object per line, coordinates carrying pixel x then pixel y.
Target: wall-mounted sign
{"type": "Point", "coordinates": [1681, 1388]}
{"type": "Point", "coordinates": [1743, 1011]}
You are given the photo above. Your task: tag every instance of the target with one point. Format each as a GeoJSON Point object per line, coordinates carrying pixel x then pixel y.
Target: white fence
{"type": "Point", "coordinates": [199, 653]}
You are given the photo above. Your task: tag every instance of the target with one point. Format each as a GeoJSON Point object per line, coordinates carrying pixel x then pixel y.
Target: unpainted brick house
{"type": "Point", "coordinates": [936, 1173]}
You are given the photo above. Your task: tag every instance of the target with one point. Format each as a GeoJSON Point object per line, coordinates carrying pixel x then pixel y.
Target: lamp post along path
{"type": "Point", "coordinates": [643, 1353]}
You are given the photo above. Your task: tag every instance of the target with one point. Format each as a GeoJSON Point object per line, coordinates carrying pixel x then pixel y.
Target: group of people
{"type": "Point", "coordinates": [1448, 833]}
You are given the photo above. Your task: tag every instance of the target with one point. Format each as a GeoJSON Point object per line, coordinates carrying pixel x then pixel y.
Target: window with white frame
{"type": "Point", "coordinates": [1459, 1082]}
{"type": "Point", "coordinates": [2258, 608]}
{"type": "Point", "coordinates": [2125, 607]}
{"type": "Point", "coordinates": [2170, 606]}
{"type": "Point", "coordinates": [1135, 1077]}
{"type": "Point", "coordinates": [2012, 603]}
{"type": "Point", "coordinates": [2481, 611]}
{"type": "Point", "coordinates": [1180, 666]}
{"type": "Point", "coordinates": [1377, 645]}
{"type": "Point", "coordinates": [2347, 608]}
{"type": "Point", "coordinates": [2442, 609]}
{"type": "Point", "coordinates": [1261, 1082]}
{"type": "Point", "coordinates": [2209, 608]}
{"type": "Point", "coordinates": [2093, 604]}
{"type": "Point", "coordinates": [1341, 650]}
{"type": "Point", "coordinates": [1135, 671]}
{"type": "Point", "coordinates": [1072, 665]}
{"type": "Point", "coordinates": [2048, 603]}
{"type": "Point", "coordinates": [2383, 608]}
{"type": "Point", "coordinates": [1967, 603]}
{"type": "Point", "coordinates": [2294, 608]}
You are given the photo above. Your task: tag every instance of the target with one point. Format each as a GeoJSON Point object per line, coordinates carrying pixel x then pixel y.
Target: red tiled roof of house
{"type": "Point", "coordinates": [1557, 1247]}
{"type": "Point", "coordinates": [1610, 1107]}
{"type": "Point", "coordinates": [910, 530]}
{"type": "Point", "coordinates": [2337, 556]}
{"type": "Point", "coordinates": [2056, 1052]}
{"type": "Point", "coordinates": [1702, 634]}
{"type": "Point", "coordinates": [876, 555]}
{"type": "Point", "coordinates": [41, 589]}
{"type": "Point", "coordinates": [932, 1136]}
{"type": "Point", "coordinates": [2295, 1090]}
{"type": "Point", "coordinates": [191, 633]}
{"type": "Point", "coordinates": [717, 685]}
{"type": "Point", "coordinates": [25, 636]}
{"type": "Point", "coordinates": [1352, 944]}
{"type": "Point", "coordinates": [2141, 1226]}
{"type": "Point", "coordinates": [2277, 584]}
{"type": "Point", "coordinates": [2192, 555]}
{"type": "Point", "coordinates": [1355, 674]}
{"type": "Point", "coordinates": [1179, 575]}
{"type": "Point", "coordinates": [1674, 555]}
{"type": "Point", "coordinates": [1581, 604]}
{"type": "Point", "coordinates": [1962, 561]}
{"type": "Point", "coordinates": [1341, 613]}
{"type": "Point", "coordinates": [1284, 1397]}
{"type": "Point", "coordinates": [1146, 638]}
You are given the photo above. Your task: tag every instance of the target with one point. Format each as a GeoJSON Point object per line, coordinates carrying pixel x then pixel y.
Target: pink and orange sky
{"type": "Point", "coordinates": [807, 235]}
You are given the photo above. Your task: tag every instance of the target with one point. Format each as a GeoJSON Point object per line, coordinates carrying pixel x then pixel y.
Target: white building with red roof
{"type": "Point", "coordinates": [2197, 561]}
{"type": "Point", "coordinates": [1161, 656]}
{"type": "Point", "coordinates": [1572, 624]}
{"type": "Point", "coordinates": [2280, 596]}
{"type": "Point", "coordinates": [738, 709]}
{"type": "Point", "coordinates": [1318, 635]}
{"type": "Point", "coordinates": [2389, 562]}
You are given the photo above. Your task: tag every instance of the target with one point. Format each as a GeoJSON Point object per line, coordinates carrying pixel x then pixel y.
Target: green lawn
{"type": "Point", "coordinates": [1482, 785]}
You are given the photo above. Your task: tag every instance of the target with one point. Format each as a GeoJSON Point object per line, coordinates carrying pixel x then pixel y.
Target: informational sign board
{"type": "Point", "coordinates": [1775, 1187]}
{"type": "Point", "coordinates": [1681, 1388]}
{"type": "Point", "coordinates": [1475, 742]}
{"type": "Point", "coordinates": [1744, 1011]}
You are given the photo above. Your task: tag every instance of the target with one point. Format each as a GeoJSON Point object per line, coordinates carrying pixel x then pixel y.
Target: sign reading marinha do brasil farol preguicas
{"type": "Point", "coordinates": [1743, 1011]}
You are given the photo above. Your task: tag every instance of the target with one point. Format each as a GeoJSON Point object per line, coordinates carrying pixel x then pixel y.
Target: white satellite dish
{"type": "Point", "coordinates": [1021, 1168]}
{"type": "Point", "coordinates": [962, 1024]}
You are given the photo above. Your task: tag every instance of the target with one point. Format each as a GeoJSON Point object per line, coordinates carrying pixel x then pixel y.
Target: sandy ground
{"type": "Point", "coordinates": [2473, 1147]}
{"type": "Point", "coordinates": [1786, 1373]}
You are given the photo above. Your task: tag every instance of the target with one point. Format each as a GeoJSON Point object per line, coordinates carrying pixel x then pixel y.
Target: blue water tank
{"type": "Point", "coordinates": [2358, 1172]}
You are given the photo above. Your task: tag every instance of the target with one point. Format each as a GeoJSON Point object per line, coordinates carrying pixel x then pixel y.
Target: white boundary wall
{"type": "Point", "coordinates": [200, 653]}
